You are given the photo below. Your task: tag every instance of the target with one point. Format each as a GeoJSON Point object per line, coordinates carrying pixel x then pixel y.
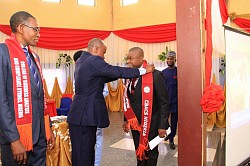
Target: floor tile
{"type": "Point", "coordinates": [125, 143]}
{"type": "Point", "coordinates": [118, 146]}
{"type": "Point", "coordinates": [210, 154]}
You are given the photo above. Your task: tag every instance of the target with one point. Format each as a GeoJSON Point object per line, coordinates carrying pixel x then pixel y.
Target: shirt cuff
{"type": "Point", "coordinates": [142, 71]}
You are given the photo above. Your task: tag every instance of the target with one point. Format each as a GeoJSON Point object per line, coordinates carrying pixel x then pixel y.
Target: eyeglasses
{"type": "Point", "coordinates": [36, 29]}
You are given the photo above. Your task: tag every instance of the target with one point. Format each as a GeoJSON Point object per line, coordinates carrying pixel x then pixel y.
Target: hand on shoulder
{"type": "Point", "coordinates": [150, 68]}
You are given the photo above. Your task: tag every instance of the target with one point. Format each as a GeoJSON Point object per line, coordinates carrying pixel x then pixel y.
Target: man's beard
{"type": "Point", "coordinates": [170, 65]}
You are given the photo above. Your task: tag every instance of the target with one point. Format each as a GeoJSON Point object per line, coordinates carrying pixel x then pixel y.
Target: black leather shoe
{"type": "Point", "coordinates": [172, 145]}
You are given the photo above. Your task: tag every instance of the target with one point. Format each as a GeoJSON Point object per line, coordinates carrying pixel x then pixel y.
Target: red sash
{"type": "Point", "coordinates": [22, 93]}
{"type": "Point", "coordinates": [147, 103]}
{"type": "Point", "coordinates": [128, 110]}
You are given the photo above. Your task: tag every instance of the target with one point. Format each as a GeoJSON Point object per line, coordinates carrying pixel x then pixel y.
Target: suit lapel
{"type": "Point", "coordinates": [138, 87]}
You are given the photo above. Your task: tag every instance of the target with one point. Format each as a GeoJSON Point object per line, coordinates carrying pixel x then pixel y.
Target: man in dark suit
{"type": "Point", "coordinates": [22, 123]}
{"type": "Point", "coordinates": [159, 114]}
{"type": "Point", "coordinates": [88, 109]}
{"type": "Point", "coordinates": [99, 132]}
{"type": "Point", "coordinates": [170, 77]}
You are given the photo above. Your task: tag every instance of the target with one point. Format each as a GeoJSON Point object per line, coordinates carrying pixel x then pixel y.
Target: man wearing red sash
{"type": "Point", "coordinates": [24, 124]}
{"type": "Point", "coordinates": [145, 109]}
{"type": "Point", "coordinates": [88, 109]}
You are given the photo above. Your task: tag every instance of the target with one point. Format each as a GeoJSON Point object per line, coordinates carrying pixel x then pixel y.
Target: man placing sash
{"type": "Point", "coordinates": [25, 131]}
{"type": "Point", "coordinates": [145, 109]}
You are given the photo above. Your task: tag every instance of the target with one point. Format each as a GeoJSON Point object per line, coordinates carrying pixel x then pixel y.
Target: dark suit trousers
{"type": "Point", "coordinates": [83, 139]}
{"type": "Point", "coordinates": [173, 126]}
{"type": "Point", "coordinates": [37, 157]}
{"type": "Point", "coordinates": [151, 154]}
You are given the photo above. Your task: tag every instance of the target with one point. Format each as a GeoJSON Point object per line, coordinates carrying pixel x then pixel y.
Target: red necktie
{"type": "Point", "coordinates": [133, 86]}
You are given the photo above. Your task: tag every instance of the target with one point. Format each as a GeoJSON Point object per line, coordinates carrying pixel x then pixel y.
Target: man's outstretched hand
{"type": "Point", "coordinates": [150, 68]}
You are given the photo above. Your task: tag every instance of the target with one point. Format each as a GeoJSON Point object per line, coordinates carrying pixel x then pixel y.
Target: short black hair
{"type": "Point", "coordinates": [19, 18]}
{"type": "Point", "coordinates": [77, 55]}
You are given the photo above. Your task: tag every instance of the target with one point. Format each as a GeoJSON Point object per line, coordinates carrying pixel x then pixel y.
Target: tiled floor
{"type": "Point", "coordinates": [118, 147]}
{"type": "Point", "coordinates": [215, 137]}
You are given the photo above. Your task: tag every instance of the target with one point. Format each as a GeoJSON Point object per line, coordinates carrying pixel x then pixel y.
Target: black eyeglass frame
{"type": "Point", "coordinates": [36, 29]}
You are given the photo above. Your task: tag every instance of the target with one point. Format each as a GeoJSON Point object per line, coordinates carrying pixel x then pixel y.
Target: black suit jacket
{"type": "Point", "coordinates": [88, 107]}
{"type": "Point", "coordinates": [160, 114]}
{"type": "Point", "coordinates": [8, 128]}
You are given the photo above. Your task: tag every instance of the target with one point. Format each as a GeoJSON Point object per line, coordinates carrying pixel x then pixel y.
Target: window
{"type": "Point", "coordinates": [128, 2]}
{"type": "Point", "coordinates": [86, 2]}
{"type": "Point", "coordinates": [51, 0]}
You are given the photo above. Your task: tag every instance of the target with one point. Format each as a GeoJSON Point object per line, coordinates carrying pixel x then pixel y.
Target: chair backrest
{"type": "Point", "coordinates": [65, 102]}
{"type": "Point", "coordinates": [67, 95]}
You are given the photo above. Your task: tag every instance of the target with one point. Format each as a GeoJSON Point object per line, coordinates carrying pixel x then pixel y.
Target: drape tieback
{"type": "Point", "coordinates": [232, 16]}
{"type": "Point", "coordinates": [213, 98]}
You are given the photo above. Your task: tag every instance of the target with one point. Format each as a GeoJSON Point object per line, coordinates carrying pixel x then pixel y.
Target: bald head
{"type": "Point", "coordinates": [138, 51]}
{"type": "Point", "coordinates": [94, 42]}
{"type": "Point", "coordinates": [97, 47]}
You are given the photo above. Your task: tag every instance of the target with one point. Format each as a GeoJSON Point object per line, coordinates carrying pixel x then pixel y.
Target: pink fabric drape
{"type": "Point", "coordinates": [243, 23]}
{"type": "Point", "coordinates": [72, 39]}
{"type": "Point", "coordinates": [149, 34]}
{"type": "Point", "coordinates": [68, 39]}
{"type": "Point", "coordinates": [223, 11]}
{"type": "Point", "coordinates": [213, 98]}
{"type": "Point", "coordinates": [63, 38]}
{"type": "Point", "coordinates": [208, 58]}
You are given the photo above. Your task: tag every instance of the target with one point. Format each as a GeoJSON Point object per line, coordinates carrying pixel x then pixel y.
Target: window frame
{"type": "Point", "coordinates": [128, 3]}
{"type": "Point", "coordinates": [55, 1]}
{"type": "Point", "coordinates": [86, 4]}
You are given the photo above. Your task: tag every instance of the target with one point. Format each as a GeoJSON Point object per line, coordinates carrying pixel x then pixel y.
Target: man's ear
{"type": "Point", "coordinates": [96, 49]}
{"type": "Point", "coordinates": [19, 28]}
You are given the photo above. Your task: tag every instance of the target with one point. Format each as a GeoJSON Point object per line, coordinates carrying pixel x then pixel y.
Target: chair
{"type": "Point", "coordinates": [64, 108]}
{"type": "Point", "coordinates": [51, 108]}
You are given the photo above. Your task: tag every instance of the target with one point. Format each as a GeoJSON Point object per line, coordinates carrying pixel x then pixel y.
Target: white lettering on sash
{"type": "Point", "coordinates": [19, 89]}
{"type": "Point", "coordinates": [18, 73]}
{"type": "Point", "coordinates": [23, 68]}
{"type": "Point", "coordinates": [19, 95]}
{"type": "Point", "coordinates": [25, 88]}
{"type": "Point", "coordinates": [146, 103]}
{"type": "Point", "coordinates": [20, 110]}
{"type": "Point", "coordinates": [127, 102]}
{"type": "Point", "coordinates": [145, 120]}
{"type": "Point", "coordinates": [25, 80]}
{"type": "Point", "coordinates": [145, 124]}
{"type": "Point", "coordinates": [26, 106]}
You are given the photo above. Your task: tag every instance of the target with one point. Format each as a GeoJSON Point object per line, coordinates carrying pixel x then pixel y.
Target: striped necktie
{"type": "Point", "coordinates": [32, 67]}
